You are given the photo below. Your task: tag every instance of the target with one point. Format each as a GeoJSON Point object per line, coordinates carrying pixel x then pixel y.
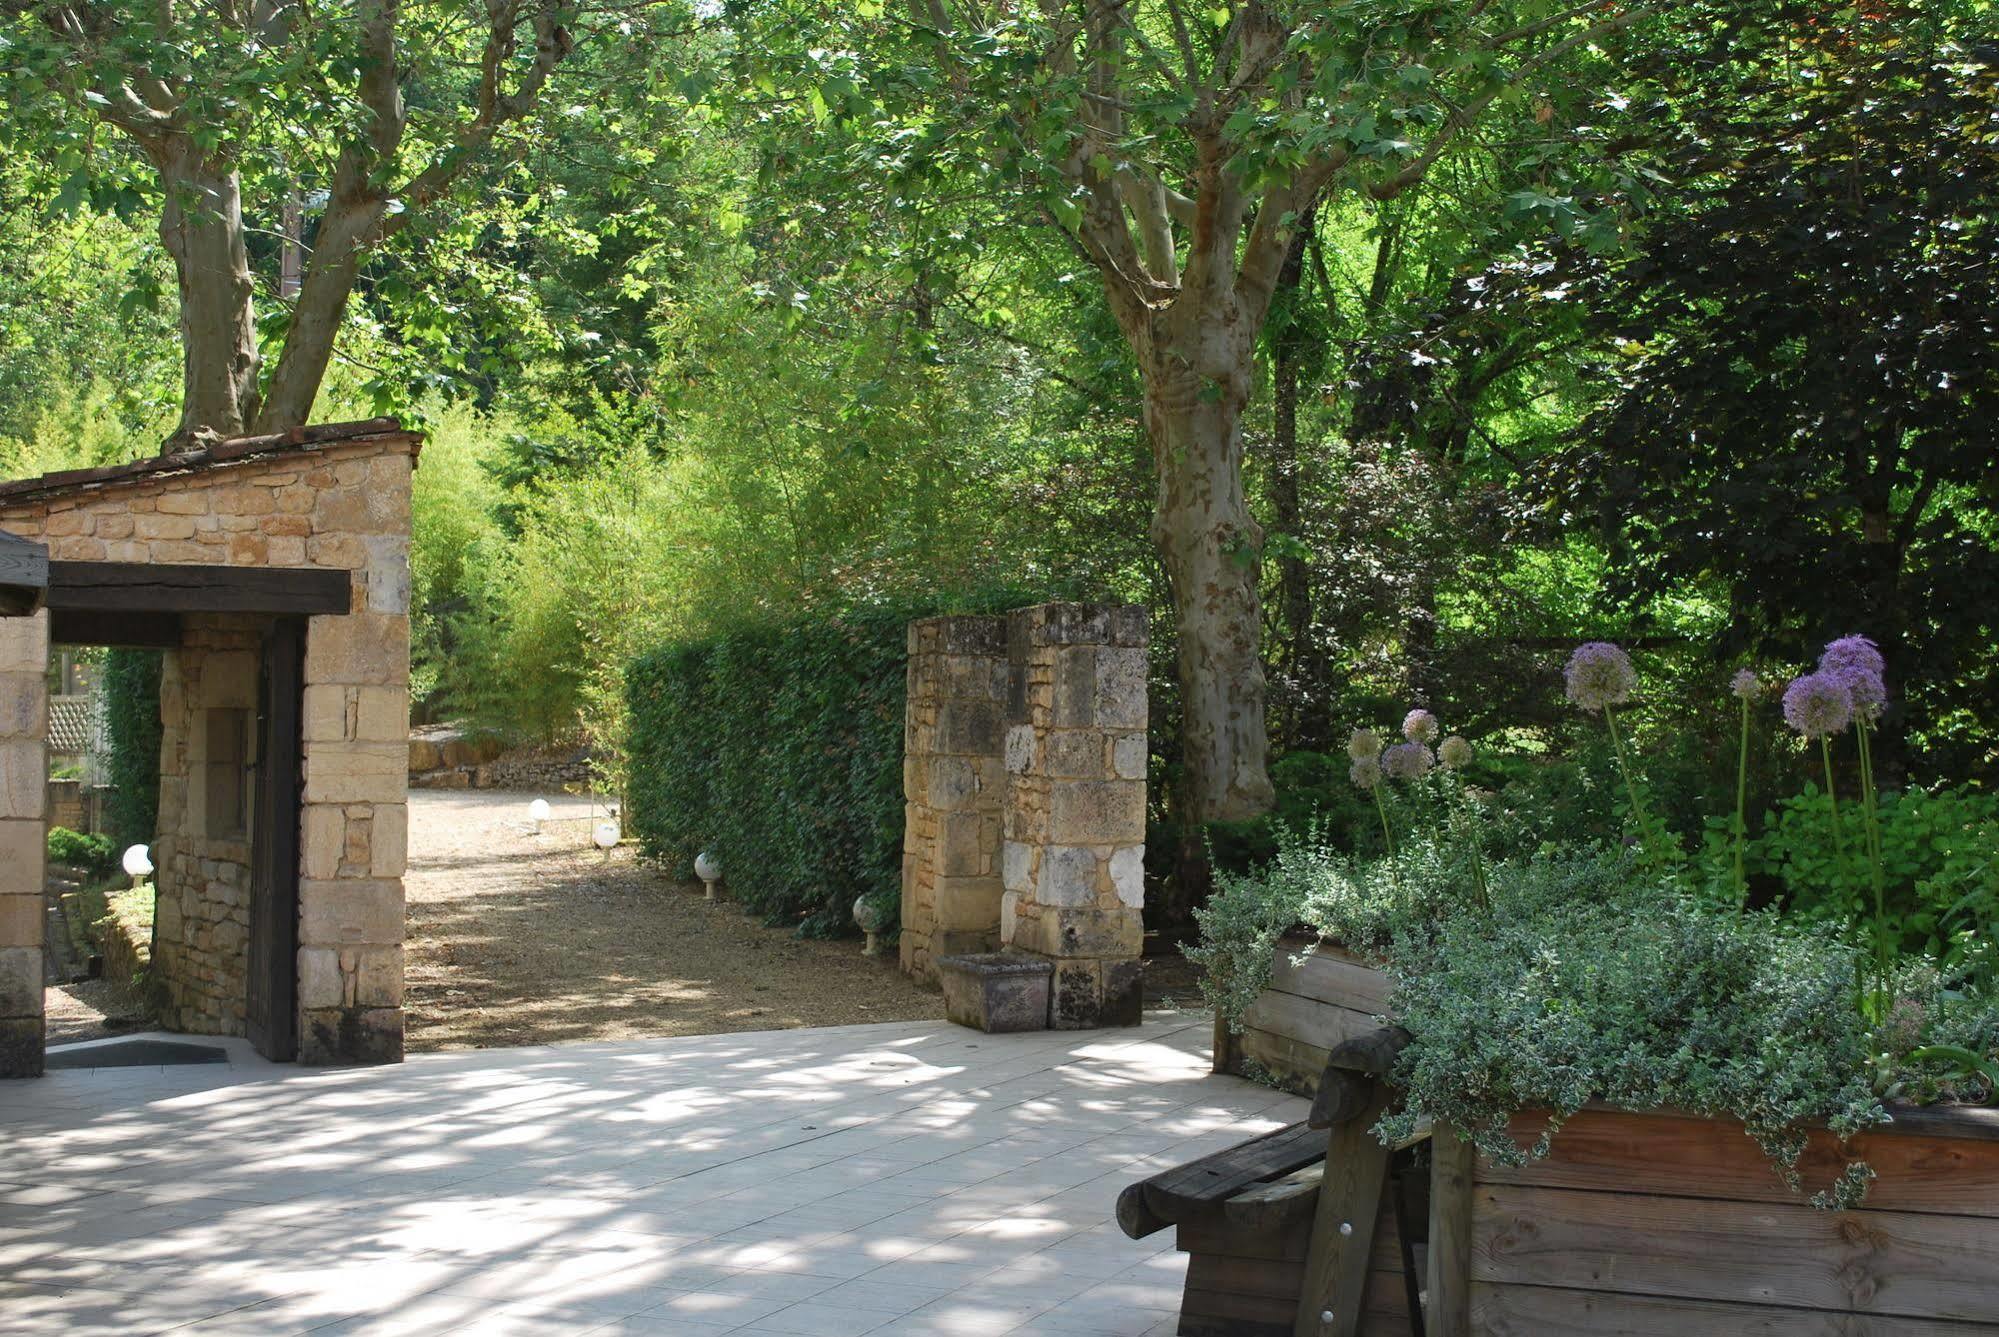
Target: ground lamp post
{"type": "Point", "coordinates": [138, 864]}
{"type": "Point", "coordinates": [538, 813]}
{"type": "Point", "coordinates": [709, 869]}
{"type": "Point", "coordinates": [605, 836]}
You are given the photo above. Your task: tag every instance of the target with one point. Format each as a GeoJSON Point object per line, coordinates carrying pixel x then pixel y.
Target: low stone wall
{"type": "Point", "coordinates": [125, 945]}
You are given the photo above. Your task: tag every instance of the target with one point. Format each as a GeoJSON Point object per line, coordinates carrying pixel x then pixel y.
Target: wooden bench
{"type": "Point", "coordinates": [1315, 1230]}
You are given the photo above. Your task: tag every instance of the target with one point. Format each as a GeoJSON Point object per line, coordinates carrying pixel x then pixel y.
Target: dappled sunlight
{"type": "Point", "coordinates": [866, 1173]}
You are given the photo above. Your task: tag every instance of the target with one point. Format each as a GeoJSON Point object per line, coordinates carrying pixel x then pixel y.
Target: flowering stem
{"type": "Point", "coordinates": [1387, 840]}
{"type": "Point", "coordinates": [1839, 852]}
{"type": "Point", "coordinates": [1638, 810]}
{"type": "Point", "coordinates": [1741, 809]}
{"type": "Point", "coordinates": [1871, 827]}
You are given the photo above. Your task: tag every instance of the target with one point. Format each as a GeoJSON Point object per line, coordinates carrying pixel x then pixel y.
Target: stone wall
{"type": "Point", "coordinates": [953, 785]}
{"type": "Point", "coordinates": [1054, 803]}
{"type": "Point", "coordinates": [24, 652]}
{"type": "Point", "coordinates": [340, 505]}
{"type": "Point", "coordinates": [201, 854]}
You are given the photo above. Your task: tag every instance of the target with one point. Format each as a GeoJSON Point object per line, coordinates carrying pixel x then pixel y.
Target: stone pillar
{"type": "Point", "coordinates": [1074, 850]}
{"type": "Point", "coordinates": [952, 785]}
{"type": "Point", "coordinates": [24, 658]}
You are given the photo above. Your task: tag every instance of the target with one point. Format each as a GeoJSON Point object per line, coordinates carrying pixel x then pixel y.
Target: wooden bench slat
{"type": "Point", "coordinates": [1202, 1185]}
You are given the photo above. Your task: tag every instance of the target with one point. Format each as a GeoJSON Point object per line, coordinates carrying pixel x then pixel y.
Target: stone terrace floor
{"type": "Point", "coordinates": [886, 1179]}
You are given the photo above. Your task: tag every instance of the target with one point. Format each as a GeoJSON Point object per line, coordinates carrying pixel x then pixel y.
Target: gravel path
{"type": "Point", "coordinates": [517, 938]}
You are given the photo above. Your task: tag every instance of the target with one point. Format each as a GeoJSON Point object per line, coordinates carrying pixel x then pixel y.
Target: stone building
{"type": "Point", "coordinates": [1024, 770]}
{"type": "Point", "coordinates": [273, 571]}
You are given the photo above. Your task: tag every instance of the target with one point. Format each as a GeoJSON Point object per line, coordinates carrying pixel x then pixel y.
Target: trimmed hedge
{"type": "Point", "coordinates": [779, 750]}
{"type": "Point", "coordinates": [131, 685]}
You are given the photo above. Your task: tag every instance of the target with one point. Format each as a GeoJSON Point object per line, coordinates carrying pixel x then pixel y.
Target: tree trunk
{"type": "Point", "coordinates": [1197, 370]}
{"type": "Point", "coordinates": [202, 229]}
{"type": "Point", "coordinates": [321, 310]}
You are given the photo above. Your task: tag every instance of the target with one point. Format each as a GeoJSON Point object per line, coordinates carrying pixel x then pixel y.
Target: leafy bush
{"type": "Point", "coordinates": [1312, 792]}
{"type": "Point", "coordinates": [1939, 852]}
{"type": "Point", "coordinates": [778, 750]}
{"type": "Point", "coordinates": [92, 852]}
{"type": "Point", "coordinates": [1589, 983]}
{"type": "Point", "coordinates": [131, 686]}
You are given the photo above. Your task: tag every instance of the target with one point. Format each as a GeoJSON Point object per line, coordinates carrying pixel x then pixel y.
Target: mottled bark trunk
{"type": "Point", "coordinates": [1197, 370]}
{"type": "Point", "coordinates": [202, 229]}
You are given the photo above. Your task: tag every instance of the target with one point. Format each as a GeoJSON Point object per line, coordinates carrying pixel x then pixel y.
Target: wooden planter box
{"type": "Point", "coordinates": [1657, 1223]}
{"type": "Point", "coordinates": [1318, 996]}
{"type": "Point", "coordinates": [1652, 1224]}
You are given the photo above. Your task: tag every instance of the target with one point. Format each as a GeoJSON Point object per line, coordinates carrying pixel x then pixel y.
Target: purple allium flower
{"type": "Point", "coordinates": [1851, 652]}
{"type": "Point", "coordinates": [1745, 685]}
{"type": "Point", "coordinates": [1866, 690]}
{"type": "Point", "coordinates": [1856, 661]}
{"type": "Point", "coordinates": [1366, 772]}
{"type": "Point", "coordinates": [1454, 753]}
{"type": "Point", "coordinates": [1599, 674]}
{"type": "Point", "coordinates": [1407, 761]}
{"type": "Point", "coordinates": [1420, 726]}
{"type": "Point", "coordinates": [1818, 705]}
{"type": "Point", "coordinates": [1365, 745]}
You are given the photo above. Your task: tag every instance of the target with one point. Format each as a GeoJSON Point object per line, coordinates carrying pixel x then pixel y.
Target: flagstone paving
{"type": "Point", "coordinates": [902, 1178]}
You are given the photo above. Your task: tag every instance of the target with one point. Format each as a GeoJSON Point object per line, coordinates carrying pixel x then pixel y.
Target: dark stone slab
{"type": "Point", "coordinates": [137, 1053]}
{"type": "Point", "coordinates": [996, 991]}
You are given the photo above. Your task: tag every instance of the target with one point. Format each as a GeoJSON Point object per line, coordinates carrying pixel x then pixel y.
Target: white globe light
{"type": "Point", "coordinates": [707, 867]}
{"type": "Point", "coordinates": [138, 861]}
{"type": "Point", "coordinates": [606, 835]}
{"type": "Point", "coordinates": [539, 810]}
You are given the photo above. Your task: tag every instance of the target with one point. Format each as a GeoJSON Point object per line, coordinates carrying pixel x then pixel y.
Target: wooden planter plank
{"type": "Point", "coordinates": [1543, 1311]}
{"type": "Point", "coordinates": [1329, 975]}
{"type": "Point", "coordinates": [1681, 1156]}
{"type": "Point", "coordinates": [1909, 1264]}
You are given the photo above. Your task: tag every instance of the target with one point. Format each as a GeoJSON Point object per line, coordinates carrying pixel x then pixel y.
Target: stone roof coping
{"type": "Point", "coordinates": [214, 454]}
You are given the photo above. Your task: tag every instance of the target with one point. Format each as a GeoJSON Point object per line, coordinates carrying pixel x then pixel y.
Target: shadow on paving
{"type": "Point", "coordinates": [881, 1180]}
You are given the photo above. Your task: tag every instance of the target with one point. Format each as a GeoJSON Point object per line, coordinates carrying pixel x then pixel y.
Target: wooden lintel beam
{"type": "Point", "coordinates": [127, 630]}
{"type": "Point", "coordinates": [139, 587]}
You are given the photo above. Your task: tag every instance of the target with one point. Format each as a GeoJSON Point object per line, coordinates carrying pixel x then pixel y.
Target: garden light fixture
{"type": "Point", "coordinates": [138, 864]}
{"type": "Point", "coordinates": [709, 869]}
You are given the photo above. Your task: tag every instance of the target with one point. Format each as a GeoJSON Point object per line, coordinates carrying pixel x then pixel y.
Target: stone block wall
{"type": "Point", "coordinates": [1026, 757]}
{"type": "Point", "coordinates": [343, 505]}
{"type": "Point", "coordinates": [24, 652]}
{"type": "Point", "coordinates": [201, 859]}
{"type": "Point", "coordinates": [952, 784]}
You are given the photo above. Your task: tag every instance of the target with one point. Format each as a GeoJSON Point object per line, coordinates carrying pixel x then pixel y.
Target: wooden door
{"type": "Point", "coordinates": [272, 990]}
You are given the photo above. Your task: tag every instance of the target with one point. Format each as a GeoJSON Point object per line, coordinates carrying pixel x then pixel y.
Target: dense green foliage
{"type": "Point", "coordinates": [1940, 852]}
{"type": "Point", "coordinates": [90, 851]}
{"type": "Point", "coordinates": [778, 751]}
{"type": "Point", "coordinates": [768, 312]}
{"type": "Point", "coordinates": [131, 685]}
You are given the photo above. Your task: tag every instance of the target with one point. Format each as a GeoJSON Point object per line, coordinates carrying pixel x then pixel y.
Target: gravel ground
{"type": "Point", "coordinates": [518, 938]}
{"type": "Point", "coordinates": [93, 1009]}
